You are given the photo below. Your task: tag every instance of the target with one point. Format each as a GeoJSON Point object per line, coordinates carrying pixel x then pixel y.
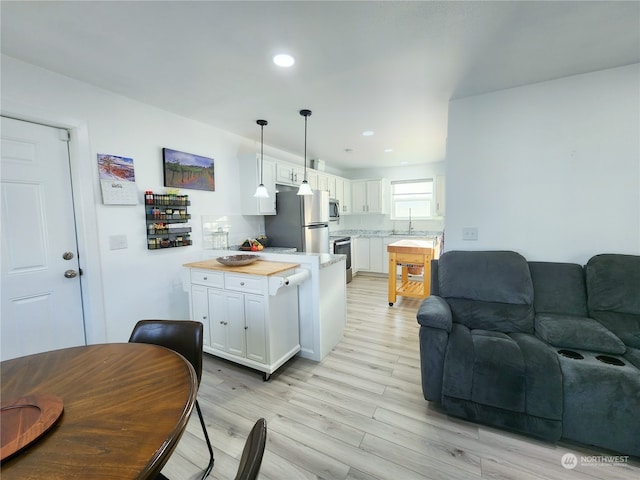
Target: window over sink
{"type": "Point", "coordinates": [411, 199]}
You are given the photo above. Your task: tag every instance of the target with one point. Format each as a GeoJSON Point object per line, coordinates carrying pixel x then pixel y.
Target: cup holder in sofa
{"type": "Point", "coordinates": [571, 354]}
{"type": "Point", "coordinates": [610, 360]}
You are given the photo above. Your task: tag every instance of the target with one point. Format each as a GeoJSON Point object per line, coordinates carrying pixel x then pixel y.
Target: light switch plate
{"type": "Point", "coordinates": [470, 233]}
{"type": "Point", "coordinates": [118, 242]}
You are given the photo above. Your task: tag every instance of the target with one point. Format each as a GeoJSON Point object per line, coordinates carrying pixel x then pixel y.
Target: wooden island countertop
{"type": "Point", "coordinates": [260, 267]}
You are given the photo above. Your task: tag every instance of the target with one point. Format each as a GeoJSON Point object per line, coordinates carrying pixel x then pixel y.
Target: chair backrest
{"type": "Point", "coordinates": [182, 336]}
{"type": "Point", "coordinates": [251, 458]}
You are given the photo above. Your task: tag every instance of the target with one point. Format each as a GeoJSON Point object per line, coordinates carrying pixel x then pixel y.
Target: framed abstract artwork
{"type": "Point", "coordinates": [185, 170]}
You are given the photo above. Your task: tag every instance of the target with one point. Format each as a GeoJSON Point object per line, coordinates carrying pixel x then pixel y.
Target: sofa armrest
{"type": "Point", "coordinates": [435, 312]}
{"type": "Point", "coordinates": [569, 331]}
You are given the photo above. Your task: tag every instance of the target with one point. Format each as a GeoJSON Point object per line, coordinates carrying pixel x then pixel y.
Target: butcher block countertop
{"type": "Point", "coordinates": [260, 267]}
{"type": "Point", "coordinates": [410, 246]}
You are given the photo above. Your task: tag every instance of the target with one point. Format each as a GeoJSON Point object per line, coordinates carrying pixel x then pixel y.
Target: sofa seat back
{"type": "Point", "coordinates": [613, 287]}
{"type": "Point", "coordinates": [487, 290]}
{"type": "Point", "coordinates": [560, 302]}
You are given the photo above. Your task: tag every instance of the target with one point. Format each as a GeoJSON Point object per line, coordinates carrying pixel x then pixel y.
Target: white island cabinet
{"type": "Point", "coordinates": [250, 315]}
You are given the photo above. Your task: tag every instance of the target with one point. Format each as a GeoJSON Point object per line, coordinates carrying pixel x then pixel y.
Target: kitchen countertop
{"type": "Point", "coordinates": [260, 267]}
{"type": "Point", "coordinates": [326, 259]}
{"type": "Point", "coordinates": [386, 233]}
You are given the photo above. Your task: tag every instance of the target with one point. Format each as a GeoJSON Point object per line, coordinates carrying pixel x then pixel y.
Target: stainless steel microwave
{"type": "Point", "coordinates": [334, 210]}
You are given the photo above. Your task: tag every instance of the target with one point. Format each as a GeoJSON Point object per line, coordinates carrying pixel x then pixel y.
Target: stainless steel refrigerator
{"type": "Point", "coordinates": [301, 221]}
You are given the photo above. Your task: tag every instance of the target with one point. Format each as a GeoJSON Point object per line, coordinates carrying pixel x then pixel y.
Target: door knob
{"type": "Point", "coordinates": [70, 274]}
{"type": "Point", "coordinates": [67, 255]}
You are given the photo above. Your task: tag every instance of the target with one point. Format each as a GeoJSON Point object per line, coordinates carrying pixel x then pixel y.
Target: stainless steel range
{"type": "Point", "coordinates": [342, 245]}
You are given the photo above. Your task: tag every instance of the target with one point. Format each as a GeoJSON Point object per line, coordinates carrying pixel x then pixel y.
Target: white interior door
{"type": "Point", "coordinates": [40, 292]}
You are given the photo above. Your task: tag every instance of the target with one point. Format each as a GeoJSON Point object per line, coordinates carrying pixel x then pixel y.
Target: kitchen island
{"type": "Point", "coordinates": [249, 312]}
{"type": "Point", "coordinates": [414, 256]}
{"type": "Point", "coordinates": [321, 300]}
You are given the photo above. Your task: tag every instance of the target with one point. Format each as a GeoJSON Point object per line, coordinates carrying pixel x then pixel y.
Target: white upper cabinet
{"type": "Point", "coordinates": [338, 187]}
{"type": "Point", "coordinates": [323, 183]}
{"type": "Point", "coordinates": [343, 195]}
{"type": "Point", "coordinates": [369, 196]}
{"type": "Point", "coordinates": [312, 179]}
{"type": "Point", "coordinates": [289, 174]}
{"type": "Point", "coordinates": [249, 181]}
{"type": "Point", "coordinates": [327, 182]}
{"type": "Point", "coordinates": [331, 185]}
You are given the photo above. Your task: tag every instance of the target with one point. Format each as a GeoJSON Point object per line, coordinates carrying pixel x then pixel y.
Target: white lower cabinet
{"type": "Point", "coordinates": [361, 254]}
{"type": "Point", "coordinates": [243, 323]}
{"type": "Point", "coordinates": [368, 257]}
{"type": "Point", "coordinates": [200, 310]}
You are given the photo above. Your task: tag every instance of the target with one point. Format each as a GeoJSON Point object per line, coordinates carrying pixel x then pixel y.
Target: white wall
{"type": "Point", "coordinates": [551, 170]}
{"type": "Point", "coordinates": [123, 286]}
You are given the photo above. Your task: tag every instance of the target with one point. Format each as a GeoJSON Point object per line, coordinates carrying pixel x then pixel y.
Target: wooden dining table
{"type": "Point", "coordinates": [125, 407]}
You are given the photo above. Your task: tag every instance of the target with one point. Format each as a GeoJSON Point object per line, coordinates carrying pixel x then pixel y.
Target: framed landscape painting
{"type": "Point", "coordinates": [185, 170]}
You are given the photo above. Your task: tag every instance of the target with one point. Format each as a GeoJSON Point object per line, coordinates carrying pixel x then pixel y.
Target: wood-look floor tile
{"type": "Point", "coordinates": [360, 415]}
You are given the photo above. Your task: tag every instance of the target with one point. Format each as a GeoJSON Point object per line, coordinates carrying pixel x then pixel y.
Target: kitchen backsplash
{"type": "Point", "coordinates": [235, 229]}
{"type": "Point", "coordinates": [383, 222]}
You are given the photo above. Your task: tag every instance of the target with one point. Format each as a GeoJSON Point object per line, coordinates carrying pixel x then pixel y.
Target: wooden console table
{"type": "Point", "coordinates": [407, 253]}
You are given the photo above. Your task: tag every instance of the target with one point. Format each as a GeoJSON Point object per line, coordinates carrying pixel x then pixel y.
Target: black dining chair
{"type": "Point", "coordinates": [253, 451]}
{"type": "Point", "coordinates": [184, 337]}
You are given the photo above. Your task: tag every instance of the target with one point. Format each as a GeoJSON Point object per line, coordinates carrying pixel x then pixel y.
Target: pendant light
{"type": "Point", "coordinates": [261, 191]}
{"type": "Point", "coordinates": [305, 189]}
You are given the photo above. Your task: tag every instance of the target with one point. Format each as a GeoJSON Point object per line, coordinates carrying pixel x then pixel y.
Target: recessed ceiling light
{"type": "Point", "coordinates": [283, 60]}
{"type": "Point", "coordinates": [404, 163]}
{"type": "Point", "coordinates": [367, 133]}
{"type": "Point", "coordinates": [388, 150]}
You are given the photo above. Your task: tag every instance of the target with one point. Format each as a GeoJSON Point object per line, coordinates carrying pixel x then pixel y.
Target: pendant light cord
{"type": "Point", "coordinates": [306, 117]}
{"type": "Point", "coordinates": [262, 123]}
{"type": "Point", "coordinates": [305, 113]}
{"type": "Point", "coordinates": [261, 153]}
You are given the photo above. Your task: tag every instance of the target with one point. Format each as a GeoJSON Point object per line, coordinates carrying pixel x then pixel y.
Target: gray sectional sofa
{"type": "Point", "coordinates": [548, 349]}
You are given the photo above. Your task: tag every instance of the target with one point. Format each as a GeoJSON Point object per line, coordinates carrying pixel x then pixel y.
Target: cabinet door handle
{"type": "Point", "coordinates": [205, 278]}
{"type": "Point", "coordinates": [242, 284]}
{"type": "Point", "coordinates": [246, 328]}
{"type": "Point", "coordinates": [204, 317]}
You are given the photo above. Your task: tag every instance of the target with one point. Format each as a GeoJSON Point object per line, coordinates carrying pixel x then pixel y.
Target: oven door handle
{"type": "Point", "coordinates": [346, 242]}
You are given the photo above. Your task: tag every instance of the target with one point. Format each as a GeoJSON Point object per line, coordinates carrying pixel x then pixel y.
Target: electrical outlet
{"type": "Point", "coordinates": [470, 233]}
{"type": "Point", "coordinates": [118, 242]}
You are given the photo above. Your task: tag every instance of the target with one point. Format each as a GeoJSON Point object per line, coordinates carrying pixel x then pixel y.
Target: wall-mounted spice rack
{"type": "Point", "coordinates": [166, 218]}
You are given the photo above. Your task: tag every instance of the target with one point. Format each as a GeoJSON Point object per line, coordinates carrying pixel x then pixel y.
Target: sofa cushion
{"type": "Point", "coordinates": [614, 300]}
{"type": "Point", "coordinates": [514, 373]}
{"type": "Point", "coordinates": [498, 317]}
{"type": "Point", "coordinates": [625, 326]}
{"type": "Point", "coordinates": [498, 371]}
{"type": "Point", "coordinates": [559, 288]}
{"type": "Point", "coordinates": [612, 283]}
{"type": "Point", "coordinates": [487, 290]}
{"type": "Point", "coordinates": [633, 355]}
{"type": "Point", "coordinates": [566, 331]}
{"type": "Point", "coordinates": [495, 276]}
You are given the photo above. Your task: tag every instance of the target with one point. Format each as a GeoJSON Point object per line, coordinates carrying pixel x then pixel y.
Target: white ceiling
{"type": "Point", "coordinates": [389, 66]}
